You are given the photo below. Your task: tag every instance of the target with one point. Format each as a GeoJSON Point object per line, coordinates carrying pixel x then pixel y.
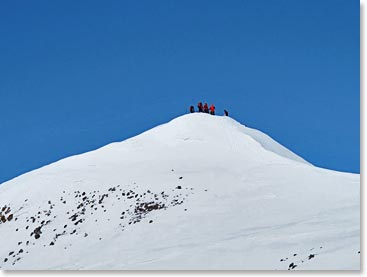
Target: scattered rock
{"type": "Point", "coordinates": [73, 217]}
{"type": "Point", "coordinates": [7, 211]}
{"type": "Point", "coordinates": [291, 266]}
{"type": "Point", "coordinates": [37, 232]}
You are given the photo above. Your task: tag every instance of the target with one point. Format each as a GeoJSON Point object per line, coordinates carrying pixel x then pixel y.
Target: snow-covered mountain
{"type": "Point", "coordinates": [200, 192]}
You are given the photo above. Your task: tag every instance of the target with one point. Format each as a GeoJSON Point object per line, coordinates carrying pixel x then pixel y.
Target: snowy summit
{"type": "Point", "coordinates": [200, 192]}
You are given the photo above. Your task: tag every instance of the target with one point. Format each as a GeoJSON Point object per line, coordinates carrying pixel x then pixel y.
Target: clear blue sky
{"type": "Point", "coordinates": [76, 75]}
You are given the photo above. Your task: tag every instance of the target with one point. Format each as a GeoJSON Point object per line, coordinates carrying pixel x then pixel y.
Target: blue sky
{"type": "Point", "coordinates": [76, 75]}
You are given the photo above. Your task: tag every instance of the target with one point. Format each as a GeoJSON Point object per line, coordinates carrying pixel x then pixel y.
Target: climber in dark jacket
{"type": "Point", "coordinates": [192, 110]}
{"type": "Point", "coordinates": [200, 107]}
{"type": "Point", "coordinates": [206, 109]}
{"type": "Point", "coordinates": [225, 112]}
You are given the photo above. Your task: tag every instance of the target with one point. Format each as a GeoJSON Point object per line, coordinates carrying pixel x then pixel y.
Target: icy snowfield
{"type": "Point", "coordinates": [200, 192]}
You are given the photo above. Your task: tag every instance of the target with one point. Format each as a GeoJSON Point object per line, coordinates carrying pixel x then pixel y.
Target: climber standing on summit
{"type": "Point", "coordinates": [200, 107]}
{"type": "Point", "coordinates": [212, 109]}
{"type": "Point", "coordinates": [206, 109]}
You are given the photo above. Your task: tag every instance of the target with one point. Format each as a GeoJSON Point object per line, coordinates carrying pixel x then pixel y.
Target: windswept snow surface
{"type": "Point", "coordinates": [200, 192]}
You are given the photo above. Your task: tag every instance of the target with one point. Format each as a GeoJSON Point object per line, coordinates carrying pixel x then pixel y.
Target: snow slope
{"type": "Point", "coordinates": [200, 192]}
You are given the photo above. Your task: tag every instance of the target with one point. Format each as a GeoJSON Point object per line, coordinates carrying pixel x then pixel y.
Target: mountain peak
{"type": "Point", "coordinates": [218, 131]}
{"type": "Point", "coordinates": [199, 192]}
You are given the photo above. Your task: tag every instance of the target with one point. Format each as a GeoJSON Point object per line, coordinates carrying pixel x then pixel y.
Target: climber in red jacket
{"type": "Point", "coordinates": [212, 109]}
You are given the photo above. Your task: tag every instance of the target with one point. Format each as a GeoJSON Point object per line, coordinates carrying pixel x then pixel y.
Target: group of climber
{"type": "Point", "coordinates": [205, 109]}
